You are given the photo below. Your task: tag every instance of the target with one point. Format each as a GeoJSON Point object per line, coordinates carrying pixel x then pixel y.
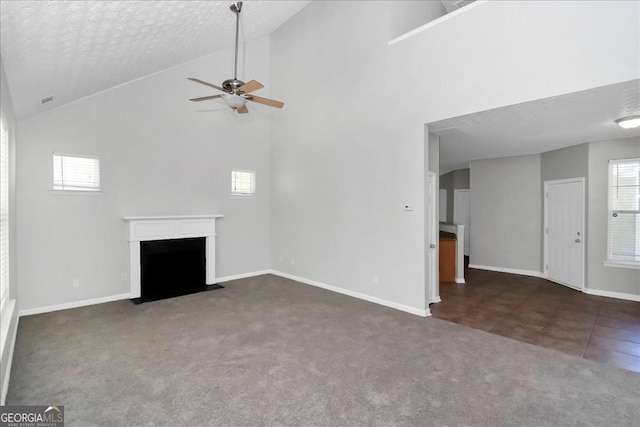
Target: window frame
{"type": "Point", "coordinates": [611, 261]}
{"type": "Point", "coordinates": [254, 179]}
{"type": "Point", "coordinates": [80, 190]}
{"type": "Point", "coordinates": [4, 212]}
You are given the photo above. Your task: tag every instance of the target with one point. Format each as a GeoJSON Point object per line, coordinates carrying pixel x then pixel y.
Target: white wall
{"type": "Point", "coordinates": [505, 211]}
{"type": "Point", "coordinates": [9, 312]}
{"type": "Point", "coordinates": [160, 154]}
{"type": "Point", "coordinates": [499, 53]}
{"type": "Point", "coordinates": [599, 276]}
{"type": "Point", "coordinates": [348, 150]}
{"type": "Point", "coordinates": [342, 168]}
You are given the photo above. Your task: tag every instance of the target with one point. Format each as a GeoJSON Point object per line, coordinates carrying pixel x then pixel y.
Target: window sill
{"type": "Point", "coordinates": [76, 192]}
{"type": "Point", "coordinates": [243, 196]}
{"type": "Point", "coordinates": [6, 313]}
{"type": "Point", "coordinates": [622, 264]}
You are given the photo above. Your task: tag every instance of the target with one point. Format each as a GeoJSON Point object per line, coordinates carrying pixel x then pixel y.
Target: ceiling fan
{"type": "Point", "coordinates": [236, 92]}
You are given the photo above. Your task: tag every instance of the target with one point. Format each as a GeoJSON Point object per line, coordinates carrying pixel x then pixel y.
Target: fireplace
{"type": "Point", "coordinates": [172, 267]}
{"type": "Point", "coordinates": [171, 256]}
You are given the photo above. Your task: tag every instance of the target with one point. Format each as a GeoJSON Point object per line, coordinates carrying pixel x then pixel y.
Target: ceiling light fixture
{"type": "Point", "coordinates": [234, 101]}
{"type": "Point", "coordinates": [630, 122]}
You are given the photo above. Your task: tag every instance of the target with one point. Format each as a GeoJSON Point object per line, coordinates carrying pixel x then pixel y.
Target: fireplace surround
{"type": "Point", "coordinates": [158, 228]}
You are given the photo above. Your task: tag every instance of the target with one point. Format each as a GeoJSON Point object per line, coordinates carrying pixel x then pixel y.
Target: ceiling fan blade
{"type": "Point", "coordinates": [205, 83]}
{"type": "Point", "coordinates": [250, 86]}
{"type": "Point", "coordinates": [242, 110]}
{"type": "Point", "coordinates": [265, 101]}
{"type": "Point", "coordinates": [204, 98]}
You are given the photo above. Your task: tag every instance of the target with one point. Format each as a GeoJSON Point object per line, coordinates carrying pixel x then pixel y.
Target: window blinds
{"type": "Point", "coordinates": [624, 210]}
{"type": "Point", "coordinates": [243, 182]}
{"type": "Point", "coordinates": [73, 172]}
{"type": "Point", "coordinates": [4, 212]}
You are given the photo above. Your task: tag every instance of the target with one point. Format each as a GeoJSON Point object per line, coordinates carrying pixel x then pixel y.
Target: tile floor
{"type": "Point", "coordinates": [547, 314]}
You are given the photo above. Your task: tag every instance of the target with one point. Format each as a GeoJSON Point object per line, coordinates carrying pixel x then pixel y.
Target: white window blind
{"type": "Point", "coordinates": [243, 182]}
{"type": "Point", "coordinates": [624, 210]}
{"type": "Point", "coordinates": [76, 172]}
{"type": "Point", "coordinates": [4, 211]}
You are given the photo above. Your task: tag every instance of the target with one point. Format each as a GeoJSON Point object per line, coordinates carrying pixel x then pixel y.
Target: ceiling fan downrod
{"type": "Point", "coordinates": [236, 8]}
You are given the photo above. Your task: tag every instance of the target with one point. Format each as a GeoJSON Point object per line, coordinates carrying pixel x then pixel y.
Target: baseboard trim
{"type": "Point", "coordinates": [242, 276]}
{"type": "Point", "coordinates": [386, 303]}
{"type": "Point", "coordinates": [75, 304]}
{"type": "Point", "coordinates": [459, 280]}
{"type": "Point", "coordinates": [508, 270]}
{"type": "Point", "coordinates": [13, 334]}
{"type": "Point", "coordinates": [609, 294]}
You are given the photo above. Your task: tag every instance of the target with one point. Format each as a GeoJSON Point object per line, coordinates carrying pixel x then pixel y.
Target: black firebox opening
{"type": "Point", "coordinates": [172, 267]}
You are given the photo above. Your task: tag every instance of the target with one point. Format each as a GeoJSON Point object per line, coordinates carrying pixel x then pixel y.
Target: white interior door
{"type": "Point", "coordinates": [432, 286]}
{"type": "Point", "coordinates": [461, 214]}
{"type": "Point", "coordinates": [564, 232]}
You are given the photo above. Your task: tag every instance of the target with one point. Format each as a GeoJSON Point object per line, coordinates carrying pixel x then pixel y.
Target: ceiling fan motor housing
{"type": "Point", "coordinates": [232, 85]}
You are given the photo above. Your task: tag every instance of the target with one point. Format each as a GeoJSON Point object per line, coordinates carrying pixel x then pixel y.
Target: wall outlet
{"type": "Point", "coordinates": [375, 280]}
{"type": "Point", "coordinates": [281, 259]}
{"type": "Point", "coordinates": [293, 261]}
{"type": "Point", "coordinates": [75, 283]}
{"type": "Point", "coordinates": [124, 277]}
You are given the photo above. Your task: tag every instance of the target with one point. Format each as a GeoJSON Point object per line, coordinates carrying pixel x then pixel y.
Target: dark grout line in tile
{"type": "Point", "coordinates": [593, 327]}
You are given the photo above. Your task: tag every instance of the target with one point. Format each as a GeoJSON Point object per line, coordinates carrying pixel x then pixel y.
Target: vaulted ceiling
{"type": "Point", "coordinates": [73, 49]}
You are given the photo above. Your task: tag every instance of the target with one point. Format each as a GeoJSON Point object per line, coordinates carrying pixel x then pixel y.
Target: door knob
{"type": "Point", "coordinates": [432, 246]}
{"type": "Point", "coordinates": [577, 240]}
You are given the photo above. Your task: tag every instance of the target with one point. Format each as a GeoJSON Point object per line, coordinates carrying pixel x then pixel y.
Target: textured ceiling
{"type": "Point", "coordinates": [537, 126]}
{"type": "Point", "coordinates": [73, 49]}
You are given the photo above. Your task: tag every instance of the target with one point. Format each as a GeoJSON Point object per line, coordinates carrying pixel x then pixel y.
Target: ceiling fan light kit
{"type": "Point", "coordinates": [236, 92]}
{"type": "Point", "coordinates": [630, 122]}
{"type": "Point", "coordinates": [234, 101]}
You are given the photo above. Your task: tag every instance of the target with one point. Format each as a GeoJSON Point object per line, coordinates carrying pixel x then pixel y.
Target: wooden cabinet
{"type": "Point", "coordinates": [447, 257]}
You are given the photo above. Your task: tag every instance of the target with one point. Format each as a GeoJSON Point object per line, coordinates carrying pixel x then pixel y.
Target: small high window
{"type": "Point", "coordinates": [76, 172]}
{"type": "Point", "coordinates": [243, 182]}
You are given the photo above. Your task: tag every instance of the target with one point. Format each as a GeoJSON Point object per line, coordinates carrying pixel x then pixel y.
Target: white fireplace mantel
{"type": "Point", "coordinates": [145, 228]}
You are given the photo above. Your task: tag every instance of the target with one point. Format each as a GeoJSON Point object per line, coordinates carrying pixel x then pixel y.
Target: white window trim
{"type": "Point", "coordinates": [79, 192]}
{"type": "Point", "coordinates": [609, 262]}
{"type": "Point", "coordinates": [76, 192]}
{"type": "Point", "coordinates": [6, 279]}
{"type": "Point", "coordinates": [621, 264]}
{"type": "Point", "coordinates": [255, 186]}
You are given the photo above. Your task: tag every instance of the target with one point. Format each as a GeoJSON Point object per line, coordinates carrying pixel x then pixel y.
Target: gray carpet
{"type": "Point", "coordinates": [270, 351]}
